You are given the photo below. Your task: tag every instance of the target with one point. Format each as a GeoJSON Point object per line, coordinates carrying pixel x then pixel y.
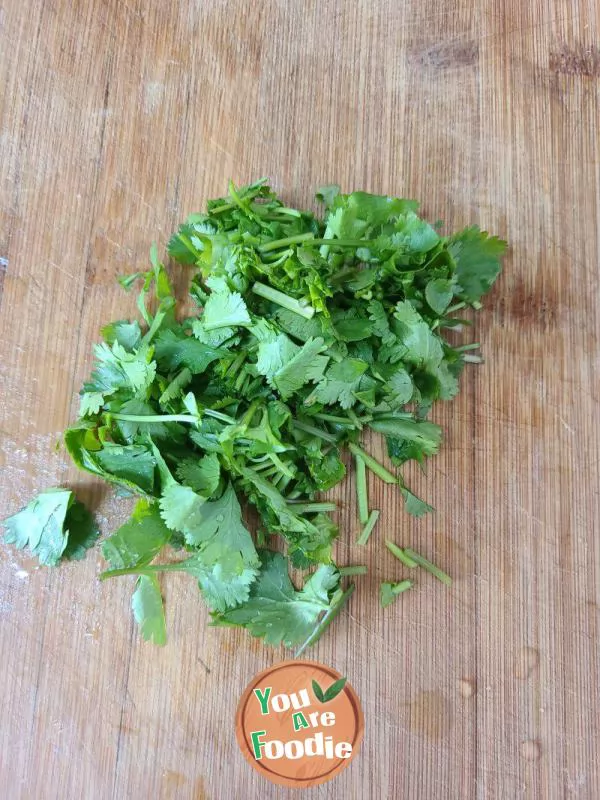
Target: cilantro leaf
{"type": "Point", "coordinates": [148, 610]}
{"type": "Point", "coordinates": [217, 529]}
{"type": "Point", "coordinates": [134, 464]}
{"type": "Point", "coordinates": [224, 309]}
{"type": "Point", "coordinates": [175, 387]}
{"type": "Point", "coordinates": [179, 505]}
{"type": "Point", "coordinates": [131, 466]}
{"type": "Point", "coordinates": [288, 367]}
{"type": "Point", "coordinates": [82, 532]}
{"type": "Point", "coordinates": [421, 345]}
{"type": "Point", "coordinates": [351, 327]}
{"type": "Point", "coordinates": [174, 351]}
{"type": "Point", "coordinates": [275, 611]}
{"type": "Point", "coordinates": [202, 475]}
{"type": "Point", "coordinates": [90, 403]}
{"type": "Point", "coordinates": [399, 386]}
{"type": "Point", "coordinates": [327, 470]}
{"type": "Point", "coordinates": [127, 334]}
{"type": "Point", "coordinates": [413, 504]}
{"type": "Point", "coordinates": [118, 369]}
{"type": "Point", "coordinates": [438, 293]}
{"type": "Point", "coordinates": [381, 324]}
{"type": "Point", "coordinates": [139, 540]}
{"type": "Point", "coordinates": [298, 327]}
{"type": "Point", "coordinates": [477, 256]}
{"type": "Point", "coordinates": [424, 435]}
{"type": "Point", "coordinates": [340, 382]}
{"type": "Point", "coordinates": [46, 524]}
{"type": "Point", "coordinates": [226, 560]}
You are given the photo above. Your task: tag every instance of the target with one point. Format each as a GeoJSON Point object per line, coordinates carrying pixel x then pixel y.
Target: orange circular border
{"type": "Point", "coordinates": [271, 775]}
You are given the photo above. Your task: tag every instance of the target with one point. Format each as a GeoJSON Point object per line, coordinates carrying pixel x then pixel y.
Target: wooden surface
{"type": "Point", "coordinates": [119, 118]}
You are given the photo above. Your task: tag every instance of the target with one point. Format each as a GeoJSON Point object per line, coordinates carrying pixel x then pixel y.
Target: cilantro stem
{"type": "Point", "coordinates": [469, 359]}
{"type": "Point", "coordinates": [282, 466]}
{"type": "Point", "coordinates": [185, 240]}
{"type": "Point", "coordinates": [235, 365]}
{"type": "Point", "coordinates": [361, 490]}
{"type": "Point", "coordinates": [368, 529]}
{"type": "Point", "coordinates": [311, 508]}
{"type": "Point", "coordinates": [283, 300]}
{"type": "Point", "coordinates": [372, 464]}
{"type": "Point", "coordinates": [309, 237]}
{"type": "Point", "coordinates": [343, 242]}
{"type": "Point", "coordinates": [224, 323]}
{"type": "Point", "coordinates": [149, 418]}
{"type": "Point", "coordinates": [463, 347]}
{"type": "Point", "coordinates": [333, 419]}
{"type": "Point", "coordinates": [322, 626]}
{"type": "Point", "coordinates": [402, 586]}
{"type": "Point", "coordinates": [266, 473]}
{"type": "Point", "coordinates": [240, 380]}
{"type": "Point", "coordinates": [260, 462]}
{"type": "Point", "coordinates": [303, 426]}
{"type": "Point", "coordinates": [354, 419]}
{"type": "Point", "coordinates": [290, 212]}
{"type": "Point", "coordinates": [171, 417]}
{"type": "Point", "coordinates": [455, 307]}
{"type": "Point", "coordinates": [221, 208]}
{"type": "Point", "coordinates": [250, 412]}
{"type": "Point", "coordinates": [247, 192]}
{"type": "Point", "coordinates": [279, 243]}
{"type": "Point", "coordinates": [149, 569]}
{"type": "Point", "coordinates": [421, 561]}
{"type": "Point", "coordinates": [278, 258]}
{"type": "Point", "coordinates": [282, 482]}
{"type": "Point", "coordinates": [359, 570]}
{"type": "Point", "coordinates": [399, 553]}
{"type": "Point", "coordinates": [156, 323]}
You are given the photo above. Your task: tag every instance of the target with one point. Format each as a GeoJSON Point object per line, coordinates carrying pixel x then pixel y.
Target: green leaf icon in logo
{"type": "Point", "coordinates": [332, 692]}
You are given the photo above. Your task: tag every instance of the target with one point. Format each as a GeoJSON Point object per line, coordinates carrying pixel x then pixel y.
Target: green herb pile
{"type": "Point", "coordinates": [308, 333]}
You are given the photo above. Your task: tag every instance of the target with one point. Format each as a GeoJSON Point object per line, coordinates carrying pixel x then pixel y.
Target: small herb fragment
{"type": "Point", "coordinates": [421, 561]}
{"type": "Point", "coordinates": [388, 592]}
{"type": "Point", "coordinates": [368, 529]}
{"type": "Point", "coordinates": [400, 554]}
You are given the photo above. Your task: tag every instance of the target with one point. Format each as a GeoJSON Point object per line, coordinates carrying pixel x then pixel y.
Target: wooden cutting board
{"type": "Point", "coordinates": [119, 118]}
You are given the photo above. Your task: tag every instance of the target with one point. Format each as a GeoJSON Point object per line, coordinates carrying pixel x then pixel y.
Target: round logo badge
{"type": "Point", "coordinates": [299, 723]}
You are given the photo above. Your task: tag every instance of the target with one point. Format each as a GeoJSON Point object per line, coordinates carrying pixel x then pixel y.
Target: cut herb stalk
{"type": "Point", "coordinates": [358, 570]}
{"type": "Point", "coordinates": [361, 490]}
{"type": "Point", "coordinates": [311, 508]}
{"type": "Point", "coordinates": [368, 529]}
{"type": "Point", "coordinates": [421, 561]}
{"type": "Point", "coordinates": [400, 554]}
{"type": "Point", "coordinates": [372, 464]}
{"type": "Point", "coordinates": [284, 300]}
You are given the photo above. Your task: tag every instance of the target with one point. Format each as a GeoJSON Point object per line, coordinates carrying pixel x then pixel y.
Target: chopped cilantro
{"type": "Point", "coordinates": [309, 333]}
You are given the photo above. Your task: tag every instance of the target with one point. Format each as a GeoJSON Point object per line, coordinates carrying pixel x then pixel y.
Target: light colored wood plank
{"type": "Point", "coordinates": [118, 119]}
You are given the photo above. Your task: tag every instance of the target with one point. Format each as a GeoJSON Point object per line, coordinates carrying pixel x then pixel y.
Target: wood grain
{"type": "Point", "coordinates": [119, 118]}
